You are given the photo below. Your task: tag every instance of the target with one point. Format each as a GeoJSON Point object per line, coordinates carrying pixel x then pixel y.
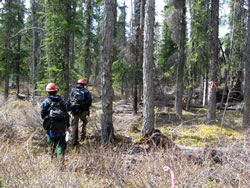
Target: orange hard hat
{"type": "Point", "coordinates": [81, 81]}
{"type": "Point", "coordinates": [51, 87]}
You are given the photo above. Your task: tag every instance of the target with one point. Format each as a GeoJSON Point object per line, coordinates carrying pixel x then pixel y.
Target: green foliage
{"type": "Point", "coordinates": [121, 72]}
{"type": "Point", "coordinates": [199, 35]}
{"type": "Point", "coordinates": [58, 27]}
{"type": "Point", "coordinates": [167, 48]}
{"type": "Point", "coordinates": [88, 44]}
{"type": "Point", "coordinates": [12, 17]}
{"type": "Point", "coordinates": [199, 51]}
{"type": "Point", "coordinates": [237, 18]}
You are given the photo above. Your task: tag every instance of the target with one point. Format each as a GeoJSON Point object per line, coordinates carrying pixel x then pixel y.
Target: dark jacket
{"type": "Point", "coordinates": [87, 94]}
{"type": "Point", "coordinates": [45, 105]}
{"type": "Point", "coordinates": [45, 110]}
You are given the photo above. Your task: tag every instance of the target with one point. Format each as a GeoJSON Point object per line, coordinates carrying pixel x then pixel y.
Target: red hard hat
{"type": "Point", "coordinates": [81, 81]}
{"type": "Point", "coordinates": [51, 87]}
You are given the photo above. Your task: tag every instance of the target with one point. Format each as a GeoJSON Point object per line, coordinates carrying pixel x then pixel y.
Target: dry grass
{"type": "Point", "coordinates": [24, 161]}
{"type": "Point", "coordinates": [26, 166]}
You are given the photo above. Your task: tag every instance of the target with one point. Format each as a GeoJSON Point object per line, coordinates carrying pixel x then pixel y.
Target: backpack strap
{"type": "Point", "coordinates": [49, 101]}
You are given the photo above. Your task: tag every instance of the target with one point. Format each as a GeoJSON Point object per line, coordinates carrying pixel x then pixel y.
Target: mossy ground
{"type": "Point", "coordinates": [196, 133]}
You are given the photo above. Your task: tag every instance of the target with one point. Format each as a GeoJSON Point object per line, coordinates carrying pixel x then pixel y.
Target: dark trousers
{"type": "Point", "coordinates": [57, 143]}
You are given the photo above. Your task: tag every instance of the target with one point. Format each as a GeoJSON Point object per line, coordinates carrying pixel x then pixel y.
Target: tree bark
{"type": "Point", "coordinates": [141, 38]}
{"type": "Point", "coordinates": [135, 101]}
{"type": "Point", "coordinates": [89, 39]}
{"type": "Point", "coordinates": [19, 38]}
{"type": "Point", "coordinates": [97, 51]}
{"type": "Point", "coordinates": [246, 113]}
{"type": "Point", "coordinates": [7, 65]}
{"type": "Point", "coordinates": [142, 15]}
{"type": "Point", "coordinates": [72, 59]}
{"type": "Point", "coordinates": [211, 116]}
{"type": "Point", "coordinates": [66, 50]}
{"type": "Point", "coordinates": [179, 5]}
{"type": "Point", "coordinates": [136, 24]}
{"type": "Point", "coordinates": [148, 61]}
{"type": "Point", "coordinates": [34, 39]}
{"type": "Point", "coordinates": [107, 57]}
{"type": "Point", "coordinates": [205, 90]}
{"type": "Point", "coordinates": [18, 63]}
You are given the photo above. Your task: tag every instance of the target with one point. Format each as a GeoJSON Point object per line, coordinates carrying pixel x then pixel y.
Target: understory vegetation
{"type": "Point", "coordinates": [130, 161]}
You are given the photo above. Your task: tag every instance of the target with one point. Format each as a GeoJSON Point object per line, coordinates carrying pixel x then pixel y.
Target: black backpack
{"type": "Point", "coordinates": [79, 100]}
{"type": "Point", "coordinates": [58, 117]}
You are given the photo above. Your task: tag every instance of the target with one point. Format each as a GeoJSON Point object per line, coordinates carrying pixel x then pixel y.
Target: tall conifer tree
{"type": "Point", "coordinates": [148, 61]}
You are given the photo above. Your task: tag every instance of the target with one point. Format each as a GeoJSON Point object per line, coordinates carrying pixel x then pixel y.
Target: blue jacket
{"type": "Point", "coordinates": [45, 111]}
{"type": "Point", "coordinates": [88, 95]}
{"type": "Point", "coordinates": [45, 105]}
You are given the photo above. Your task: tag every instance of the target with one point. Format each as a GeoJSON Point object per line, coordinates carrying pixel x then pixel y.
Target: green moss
{"type": "Point", "coordinates": [187, 113]}
{"type": "Point", "coordinates": [141, 139]}
{"type": "Point", "coordinates": [204, 135]}
{"type": "Point", "coordinates": [89, 131]}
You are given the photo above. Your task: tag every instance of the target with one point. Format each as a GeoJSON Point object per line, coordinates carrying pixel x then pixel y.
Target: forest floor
{"type": "Point", "coordinates": [130, 161]}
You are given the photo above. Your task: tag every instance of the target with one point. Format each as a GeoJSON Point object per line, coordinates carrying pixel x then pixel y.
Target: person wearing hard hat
{"type": "Point", "coordinates": [56, 122]}
{"type": "Point", "coordinates": [78, 104]}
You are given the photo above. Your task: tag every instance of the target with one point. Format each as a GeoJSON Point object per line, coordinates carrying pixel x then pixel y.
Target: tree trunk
{"type": "Point", "coordinates": [115, 32]}
{"type": "Point", "coordinates": [7, 65]}
{"type": "Point", "coordinates": [142, 14]}
{"type": "Point", "coordinates": [131, 19]}
{"type": "Point", "coordinates": [96, 71]}
{"type": "Point", "coordinates": [67, 51]}
{"type": "Point", "coordinates": [124, 25]}
{"type": "Point", "coordinates": [97, 51]}
{"type": "Point", "coordinates": [72, 59]}
{"type": "Point", "coordinates": [211, 116]}
{"type": "Point", "coordinates": [141, 38]}
{"type": "Point", "coordinates": [19, 37]}
{"type": "Point", "coordinates": [205, 90]}
{"type": "Point", "coordinates": [34, 39]}
{"type": "Point", "coordinates": [18, 63]}
{"type": "Point", "coordinates": [89, 12]}
{"type": "Point", "coordinates": [136, 16]}
{"type": "Point", "coordinates": [136, 23]}
{"type": "Point", "coordinates": [72, 62]}
{"type": "Point", "coordinates": [246, 113]}
{"type": "Point", "coordinates": [148, 61]}
{"type": "Point", "coordinates": [179, 5]}
{"type": "Point", "coordinates": [107, 57]}
{"type": "Point", "coordinates": [135, 101]}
